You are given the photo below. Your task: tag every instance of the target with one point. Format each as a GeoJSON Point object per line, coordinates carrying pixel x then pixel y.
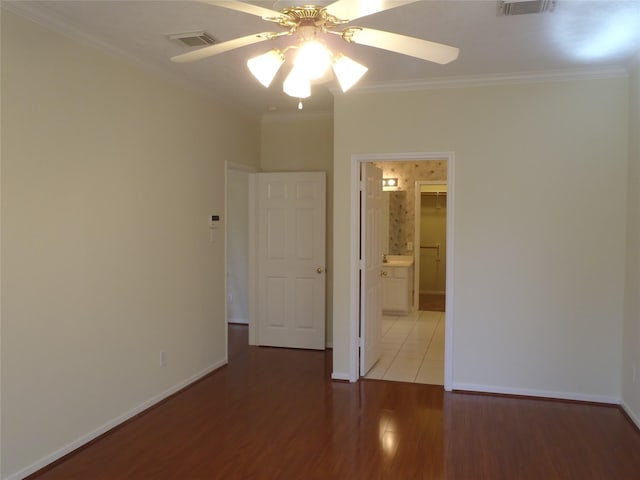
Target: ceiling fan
{"type": "Point", "coordinates": [310, 23]}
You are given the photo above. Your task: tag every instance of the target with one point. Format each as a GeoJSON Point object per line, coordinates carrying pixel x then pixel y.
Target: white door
{"type": "Point", "coordinates": [371, 267]}
{"type": "Point", "coordinates": [291, 259]}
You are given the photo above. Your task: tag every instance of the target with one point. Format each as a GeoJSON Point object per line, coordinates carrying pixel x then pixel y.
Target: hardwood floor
{"type": "Point", "coordinates": [432, 302]}
{"type": "Point", "coordinates": [275, 414]}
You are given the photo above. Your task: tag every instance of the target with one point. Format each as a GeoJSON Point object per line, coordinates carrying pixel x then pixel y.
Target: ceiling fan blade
{"type": "Point", "coordinates": [414, 47]}
{"type": "Point", "coordinates": [352, 9]}
{"type": "Point", "coordinates": [223, 47]}
{"type": "Point", "coordinates": [262, 12]}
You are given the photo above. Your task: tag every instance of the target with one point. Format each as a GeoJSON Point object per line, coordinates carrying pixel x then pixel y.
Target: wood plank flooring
{"type": "Point", "coordinates": [432, 302]}
{"type": "Point", "coordinates": [275, 414]}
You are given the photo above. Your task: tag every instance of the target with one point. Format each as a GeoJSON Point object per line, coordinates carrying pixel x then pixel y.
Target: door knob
{"type": "Point", "coordinates": [319, 270]}
{"type": "Point", "coordinates": [383, 273]}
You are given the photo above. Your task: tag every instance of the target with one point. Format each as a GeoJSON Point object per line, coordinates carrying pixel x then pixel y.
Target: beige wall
{"type": "Point", "coordinates": [631, 336]}
{"type": "Point", "coordinates": [297, 143]}
{"type": "Point", "coordinates": [108, 177]}
{"type": "Point", "coordinates": [538, 279]}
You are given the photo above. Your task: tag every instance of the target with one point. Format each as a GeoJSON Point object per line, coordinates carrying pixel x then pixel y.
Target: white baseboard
{"type": "Point", "coordinates": [582, 397]}
{"type": "Point", "coordinates": [340, 376]}
{"type": "Point", "coordinates": [632, 415]}
{"type": "Point", "coordinates": [43, 462]}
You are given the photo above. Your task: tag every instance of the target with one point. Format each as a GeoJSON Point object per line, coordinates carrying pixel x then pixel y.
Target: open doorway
{"type": "Point", "coordinates": [413, 335]}
{"type": "Point", "coordinates": [238, 189]}
{"type": "Point", "coordinates": [237, 244]}
{"type": "Point", "coordinates": [431, 245]}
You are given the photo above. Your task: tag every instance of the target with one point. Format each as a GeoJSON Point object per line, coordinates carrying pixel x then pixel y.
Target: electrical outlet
{"type": "Point", "coordinates": [163, 359]}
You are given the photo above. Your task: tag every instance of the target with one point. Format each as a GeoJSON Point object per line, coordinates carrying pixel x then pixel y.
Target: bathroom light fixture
{"type": "Point", "coordinates": [389, 183]}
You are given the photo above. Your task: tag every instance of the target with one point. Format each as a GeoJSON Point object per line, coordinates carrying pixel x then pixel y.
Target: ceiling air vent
{"type": "Point", "coordinates": [524, 7]}
{"type": "Point", "coordinates": [193, 39]}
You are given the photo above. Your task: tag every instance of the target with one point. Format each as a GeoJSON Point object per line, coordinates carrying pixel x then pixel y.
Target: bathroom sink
{"type": "Point", "coordinates": [398, 261]}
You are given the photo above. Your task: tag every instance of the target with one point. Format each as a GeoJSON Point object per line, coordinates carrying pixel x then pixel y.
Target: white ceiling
{"type": "Point", "coordinates": [579, 36]}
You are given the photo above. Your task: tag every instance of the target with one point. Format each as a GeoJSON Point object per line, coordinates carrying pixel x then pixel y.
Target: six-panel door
{"type": "Point", "coordinates": [291, 259]}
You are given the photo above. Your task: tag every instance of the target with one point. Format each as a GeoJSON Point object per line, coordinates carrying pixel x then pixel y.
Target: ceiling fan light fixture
{"type": "Point", "coordinates": [297, 84]}
{"type": "Point", "coordinates": [347, 71]}
{"type": "Point", "coordinates": [313, 58]}
{"type": "Point", "coordinates": [310, 22]}
{"type": "Point", "coordinates": [264, 67]}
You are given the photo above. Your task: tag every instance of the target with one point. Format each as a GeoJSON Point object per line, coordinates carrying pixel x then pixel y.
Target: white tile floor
{"type": "Point", "coordinates": [412, 349]}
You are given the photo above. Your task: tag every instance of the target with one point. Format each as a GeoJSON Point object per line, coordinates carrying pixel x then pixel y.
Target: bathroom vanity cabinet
{"type": "Point", "coordinates": [397, 286]}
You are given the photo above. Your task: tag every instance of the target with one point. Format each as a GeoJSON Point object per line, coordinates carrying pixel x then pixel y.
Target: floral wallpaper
{"type": "Point", "coordinates": [398, 209]}
{"type": "Point", "coordinates": [401, 202]}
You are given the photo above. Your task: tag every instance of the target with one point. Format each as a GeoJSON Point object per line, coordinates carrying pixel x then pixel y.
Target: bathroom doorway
{"type": "Point", "coordinates": [431, 245]}
{"type": "Point", "coordinates": [415, 216]}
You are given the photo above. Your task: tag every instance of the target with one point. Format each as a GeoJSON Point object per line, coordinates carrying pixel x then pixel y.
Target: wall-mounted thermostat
{"type": "Point", "coordinates": [214, 221]}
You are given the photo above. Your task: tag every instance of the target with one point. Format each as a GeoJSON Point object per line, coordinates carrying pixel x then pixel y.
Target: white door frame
{"type": "Point", "coordinates": [416, 237]}
{"type": "Point", "coordinates": [253, 259]}
{"type": "Point", "coordinates": [354, 266]}
{"type": "Point", "coordinates": [239, 167]}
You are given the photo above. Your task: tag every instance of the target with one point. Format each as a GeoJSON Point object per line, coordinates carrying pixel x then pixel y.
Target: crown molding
{"type": "Point", "coordinates": [465, 81]}
{"type": "Point", "coordinates": [39, 15]}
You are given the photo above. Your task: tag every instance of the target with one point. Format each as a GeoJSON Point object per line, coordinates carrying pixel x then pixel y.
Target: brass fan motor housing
{"type": "Point", "coordinates": [306, 16]}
